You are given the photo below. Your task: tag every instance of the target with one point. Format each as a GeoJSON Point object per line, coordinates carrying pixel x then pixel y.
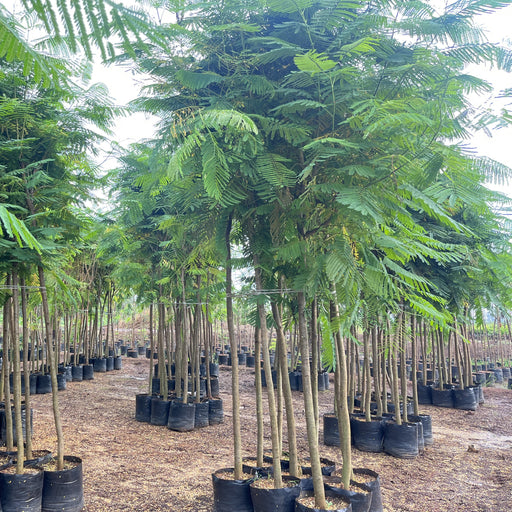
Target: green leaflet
{"type": "Point", "coordinates": [314, 62]}
{"type": "Point", "coordinates": [196, 81]}
{"type": "Point", "coordinates": [16, 228]}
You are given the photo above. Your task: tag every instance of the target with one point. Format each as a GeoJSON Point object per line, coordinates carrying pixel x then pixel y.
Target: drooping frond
{"type": "Point", "coordinates": [13, 47]}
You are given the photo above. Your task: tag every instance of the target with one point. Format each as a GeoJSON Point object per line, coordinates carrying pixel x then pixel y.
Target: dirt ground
{"type": "Point", "coordinates": [132, 466]}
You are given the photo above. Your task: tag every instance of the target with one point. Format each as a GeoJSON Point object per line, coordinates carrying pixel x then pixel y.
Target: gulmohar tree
{"type": "Point", "coordinates": [338, 123]}
{"type": "Point", "coordinates": [328, 134]}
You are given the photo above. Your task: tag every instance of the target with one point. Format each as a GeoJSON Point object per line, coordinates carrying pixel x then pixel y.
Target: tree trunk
{"type": "Point", "coordinates": [26, 371]}
{"type": "Point", "coordinates": [414, 366]}
{"type": "Point", "coordinates": [311, 427]}
{"type": "Point", "coordinates": [17, 374]}
{"type": "Point", "coordinates": [342, 411]}
{"type": "Point", "coordinates": [276, 454]}
{"type": "Point", "coordinates": [235, 386]}
{"type": "Point", "coordinates": [315, 360]}
{"type": "Point", "coordinates": [6, 365]}
{"type": "Point", "coordinates": [287, 392]}
{"type": "Point", "coordinates": [53, 371]}
{"type": "Point", "coordinates": [403, 365]}
{"type": "Point", "coordinates": [376, 370]}
{"type": "Point", "coordinates": [152, 349]}
{"type": "Point", "coordinates": [259, 398]}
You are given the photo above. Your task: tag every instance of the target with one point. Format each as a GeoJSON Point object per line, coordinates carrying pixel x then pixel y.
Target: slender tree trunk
{"type": "Point", "coordinates": [287, 392]}
{"type": "Point", "coordinates": [162, 366]}
{"type": "Point", "coordinates": [197, 340]}
{"type": "Point", "coordinates": [185, 339]}
{"type": "Point", "coordinates": [376, 370]}
{"type": "Point", "coordinates": [367, 377]}
{"type": "Point", "coordinates": [414, 365]}
{"type": "Point", "coordinates": [26, 371]}
{"type": "Point", "coordinates": [394, 370]}
{"type": "Point", "coordinates": [235, 385]}
{"type": "Point", "coordinates": [6, 365]}
{"type": "Point", "coordinates": [53, 371]}
{"type": "Point", "coordinates": [17, 374]}
{"type": "Point", "coordinates": [152, 349]}
{"type": "Point", "coordinates": [276, 454]}
{"type": "Point", "coordinates": [342, 411]}
{"type": "Point", "coordinates": [259, 398]}
{"type": "Point", "coordinates": [403, 365]}
{"type": "Point", "coordinates": [384, 369]}
{"type": "Point", "coordinates": [315, 360]}
{"type": "Point", "coordinates": [311, 427]}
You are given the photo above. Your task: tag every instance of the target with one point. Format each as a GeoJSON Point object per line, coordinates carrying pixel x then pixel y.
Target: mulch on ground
{"type": "Point", "coordinates": [132, 466]}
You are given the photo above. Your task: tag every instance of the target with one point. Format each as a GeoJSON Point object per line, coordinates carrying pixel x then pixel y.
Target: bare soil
{"type": "Point", "coordinates": [132, 466]}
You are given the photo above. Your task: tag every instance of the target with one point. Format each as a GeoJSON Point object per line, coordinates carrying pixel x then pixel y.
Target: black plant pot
{"type": "Point", "coordinates": [181, 416]}
{"type": "Point", "coordinates": [110, 363]}
{"type": "Point", "coordinates": [21, 492]}
{"type": "Point", "coordinates": [155, 385]}
{"type": "Point", "coordinates": [61, 382]}
{"type": "Point", "coordinates": [3, 425]}
{"type": "Point", "coordinates": [33, 383]}
{"type": "Point", "coordinates": [100, 364]}
{"type": "Point", "coordinates": [159, 411]}
{"type": "Point", "coordinates": [442, 397]}
{"type": "Point", "coordinates": [77, 373]}
{"type": "Point", "coordinates": [231, 495]}
{"type": "Point", "coordinates": [465, 399]}
{"type": "Point", "coordinates": [250, 361]}
{"type": "Point", "coordinates": [214, 387]}
{"type": "Point", "coordinates": [331, 430]}
{"type": "Point", "coordinates": [372, 480]}
{"type": "Point", "coordinates": [214, 370]}
{"type": "Point", "coordinates": [88, 371]}
{"type": "Point", "coordinates": [68, 373]}
{"type": "Point", "coordinates": [368, 436]}
{"type": "Point", "coordinates": [118, 363]}
{"type": "Point", "coordinates": [272, 500]}
{"type": "Point", "coordinates": [63, 491]}
{"type": "Point", "coordinates": [143, 407]}
{"type": "Point", "coordinates": [223, 359]}
{"type": "Point", "coordinates": [202, 414]}
{"type": "Point", "coordinates": [44, 384]}
{"type": "Point", "coordinates": [401, 440]}
{"type": "Point", "coordinates": [421, 438]}
{"type": "Point", "coordinates": [215, 411]}
{"type": "Point", "coordinates": [424, 394]}
{"type": "Point", "coordinates": [294, 385]}
{"type": "Point", "coordinates": [426, 422]}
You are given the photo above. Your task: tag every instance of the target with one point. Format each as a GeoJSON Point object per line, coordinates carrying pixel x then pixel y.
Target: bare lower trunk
{"type": "Point", "coordinates": [276, 454]}
{"type": "Point", "coordinates": [26, 372]}
{"type": "Point", "coordinates": [53, 371]}
{"type": "Point", "coordinates": [235, 386]}
{"type": "Point", "coordinates": [342, 406]}
{"type": "Point", "coordinates": [259, 398]}
{"type": "Point", "coordinates": [311, 427]}
{"type": "Point", "coordinates": [287, 392]}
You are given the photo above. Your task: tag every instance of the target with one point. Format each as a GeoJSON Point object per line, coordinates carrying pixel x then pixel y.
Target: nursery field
{"type": "Point", "coordinates": [132, 466]}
